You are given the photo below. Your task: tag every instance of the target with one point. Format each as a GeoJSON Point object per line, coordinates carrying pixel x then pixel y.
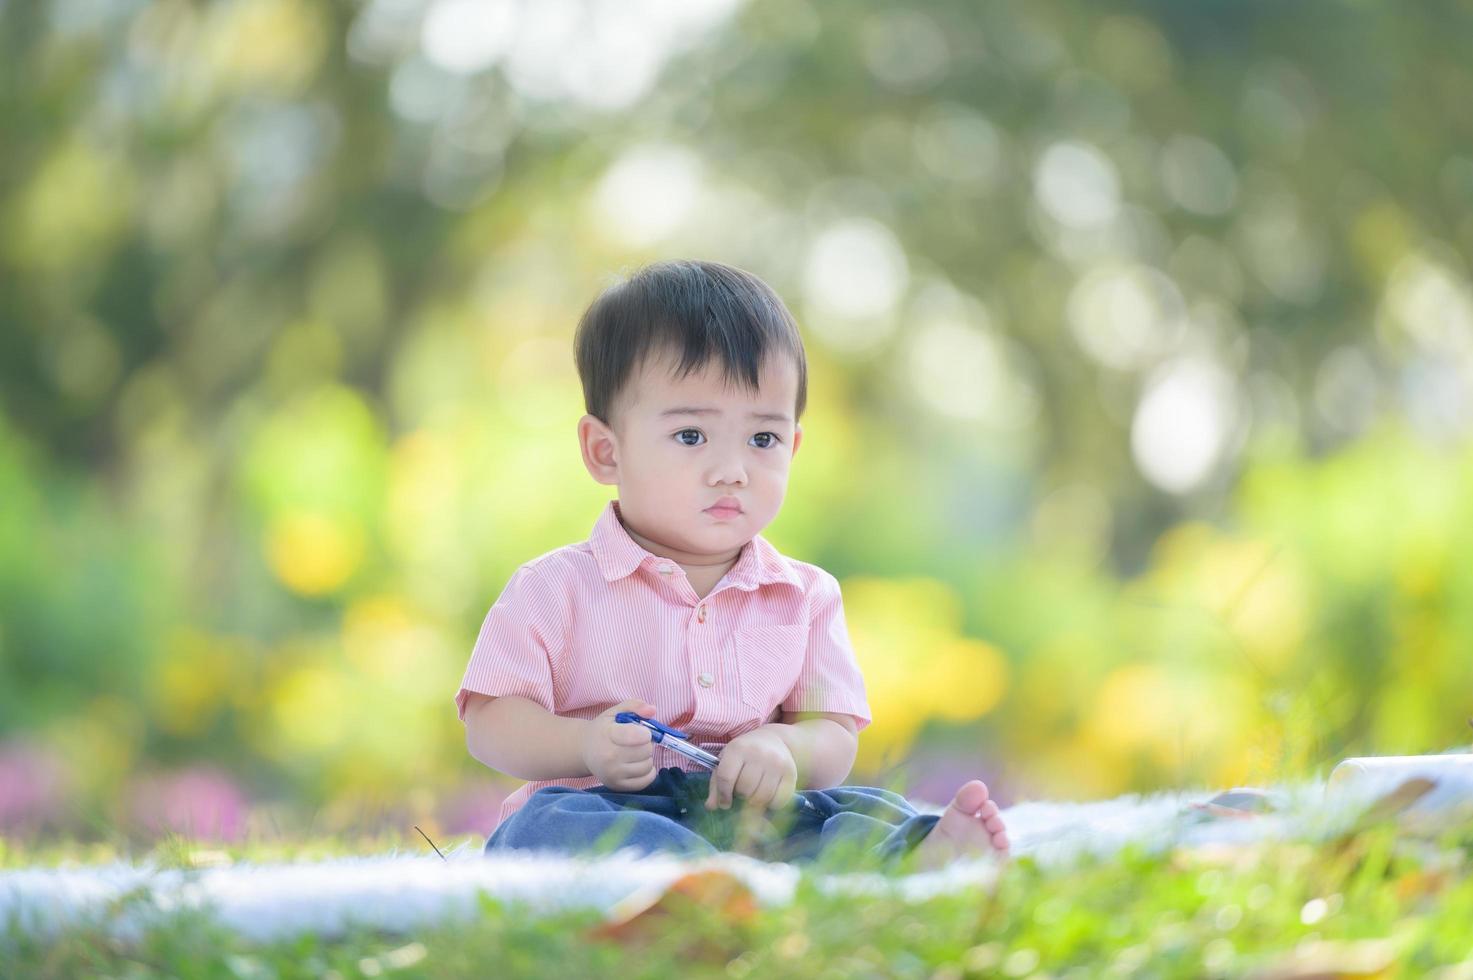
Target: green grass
{"type": "Point", "coordinates": [1368, 904]}
{"type": "Point", "coordinates": [174, 851]}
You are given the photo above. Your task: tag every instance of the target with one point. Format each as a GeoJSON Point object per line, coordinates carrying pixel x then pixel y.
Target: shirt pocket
{"type": "Point", "coordinates": [769, 660]}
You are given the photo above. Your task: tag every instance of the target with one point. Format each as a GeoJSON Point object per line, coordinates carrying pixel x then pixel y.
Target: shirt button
{"type": "Point", "coordinates": [701, 613]}
{"type": "Point", "coordinates": [665, 569]}
{"type": "Point", "coordinates": [705, 680]}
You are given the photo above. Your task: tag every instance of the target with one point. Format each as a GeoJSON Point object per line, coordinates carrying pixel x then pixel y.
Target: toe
{"type": "Point", "coordinates": [971, 796]}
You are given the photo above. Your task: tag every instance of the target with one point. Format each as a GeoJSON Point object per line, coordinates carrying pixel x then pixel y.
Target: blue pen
{"type": "Point", "coordinates": [670, 738]}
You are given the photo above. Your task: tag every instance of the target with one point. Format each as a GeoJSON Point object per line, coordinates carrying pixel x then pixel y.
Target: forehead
{"type": "Point", "coordinates": [660, 389]}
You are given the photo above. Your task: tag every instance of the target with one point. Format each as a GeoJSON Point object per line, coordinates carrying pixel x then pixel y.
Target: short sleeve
{"type": "Point", "coordinates": [520, 638]}
{"type": "Point", "coordinates": [830, 680]}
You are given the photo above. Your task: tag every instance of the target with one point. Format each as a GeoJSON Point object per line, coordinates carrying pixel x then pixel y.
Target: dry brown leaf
{"type": "Point", "coordinates": [646, 914]}
{"type": "Point", "coordinates": [1398, 799]}
{"type": "Point", "coordinates": [1420, 884]}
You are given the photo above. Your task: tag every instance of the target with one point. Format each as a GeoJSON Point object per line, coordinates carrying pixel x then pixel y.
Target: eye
{"type": "Point", "coordinates": [770, 439]}
{"type": "Point", "coordinates": [680, 437]}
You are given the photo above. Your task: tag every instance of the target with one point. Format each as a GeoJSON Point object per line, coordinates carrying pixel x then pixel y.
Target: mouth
{"type": "Point", "coordinates": [725, 507]}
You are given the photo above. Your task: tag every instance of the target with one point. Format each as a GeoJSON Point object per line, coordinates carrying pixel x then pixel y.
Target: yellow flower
{"type": "Point", "coordinates": [916, 663]}
{"type": "Point", "coordinates": [313, 554]}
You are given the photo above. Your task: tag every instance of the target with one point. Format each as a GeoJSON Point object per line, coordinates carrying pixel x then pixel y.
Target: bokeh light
{"type": "Point", "coordinates": [1140, 378]}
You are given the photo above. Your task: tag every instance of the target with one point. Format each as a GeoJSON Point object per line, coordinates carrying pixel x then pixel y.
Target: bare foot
{"type": "Point", "coordinates": [970, 826]}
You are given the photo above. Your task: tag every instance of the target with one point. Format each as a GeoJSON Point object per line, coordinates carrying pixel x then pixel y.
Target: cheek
{"type": "Point", "coordinates": [773, 478]}
{"type": "Point", "coordinates": [660, 469]}
{"type": "Point", "coordinates": [647, 460]}
{"type": "Point", "coordinates": [779, 464]}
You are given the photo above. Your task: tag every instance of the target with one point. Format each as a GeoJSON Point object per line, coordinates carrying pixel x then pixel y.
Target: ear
{"type": "Point", "coordinates": [797, 438]}
{"type": "Point", "coordinates": [600, 449]}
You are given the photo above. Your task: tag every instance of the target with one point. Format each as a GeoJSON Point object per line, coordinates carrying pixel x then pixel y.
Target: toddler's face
{"type": "Point", "coordinates": [682, 447]}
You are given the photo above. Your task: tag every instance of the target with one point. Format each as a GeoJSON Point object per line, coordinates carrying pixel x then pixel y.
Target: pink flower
{"type": "Point", "coordinates": [34, 785]}
{"type": "Point", "coordinates": [933, 775]}
{"type": "Point", "coordinates": [200, 803]}
{"type": "Point", "coordinates": [472, 810]}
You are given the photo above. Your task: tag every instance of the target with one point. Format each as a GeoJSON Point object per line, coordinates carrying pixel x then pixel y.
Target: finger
{"type": "Point", "coordinates": [641, 781]}
{"type": "Point", "coordinates": [729, 785]}
{"type": "Point", "coordinates": [713, 795]}
{"type": "Point", "coordinates": [633, 770]}
{"type": "Point", "coordinates": [722, 781]}
{"type": "Point", "coordinates": [787, 788]}
{"type": "Point", "coordinates": [766, 791]}
{"type": "Point", "coordinates": [637, 765]}
{"type": "Point", "coordinates": [637, 705]}
{"type": "Point", "coordinates": [625, 764]}
{"type": "Point", "coordinates": [630, 735]}
{"type": "Point", "coordinates": [751, 787]}
{"type": "Point", "coordinates": [748, 782]}
{"type": "Point", "coordinates": [631, 776]}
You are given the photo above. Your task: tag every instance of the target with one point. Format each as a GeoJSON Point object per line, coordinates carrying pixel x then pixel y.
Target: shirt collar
{"type": "Point", "coordinates": [618, 555]}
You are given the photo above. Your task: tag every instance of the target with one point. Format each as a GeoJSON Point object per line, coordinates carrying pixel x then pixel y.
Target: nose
{"type": "Point", "coordinates": [727, 470]}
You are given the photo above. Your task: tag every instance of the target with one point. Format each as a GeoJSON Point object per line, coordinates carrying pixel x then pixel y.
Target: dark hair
{"type": "Point", "coordinates": [691, 310]}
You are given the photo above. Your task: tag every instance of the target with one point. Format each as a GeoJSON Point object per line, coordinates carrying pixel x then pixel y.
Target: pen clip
{"type": "Point", "coordinates": [658, 730]}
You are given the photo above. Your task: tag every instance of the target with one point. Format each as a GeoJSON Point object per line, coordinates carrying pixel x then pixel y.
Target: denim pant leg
{"type": "Point", "coordinates": [654, 819]}
{"type": "Point", "coordinates": [670, 815]}
{"type": "Point", "coordinates": [863, 819]}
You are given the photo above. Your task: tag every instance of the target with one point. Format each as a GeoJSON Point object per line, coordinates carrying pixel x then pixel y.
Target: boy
{"type": "Point", "coordinates": [694, 378]}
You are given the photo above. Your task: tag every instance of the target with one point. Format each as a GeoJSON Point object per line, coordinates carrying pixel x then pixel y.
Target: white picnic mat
{"type": "Point", "coordinates": [399, 892]}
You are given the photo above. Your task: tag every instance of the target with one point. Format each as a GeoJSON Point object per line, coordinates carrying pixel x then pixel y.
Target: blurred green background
{"type": "Point", "coordinates": [1141, 376]}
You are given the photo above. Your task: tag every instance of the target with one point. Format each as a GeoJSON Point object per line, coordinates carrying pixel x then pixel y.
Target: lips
{"type": "Point", "coordinates": [725, 506]}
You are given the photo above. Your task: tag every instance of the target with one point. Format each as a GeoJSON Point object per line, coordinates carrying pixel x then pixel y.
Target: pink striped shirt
{"type": "Point", "coordinates": [594, 623]}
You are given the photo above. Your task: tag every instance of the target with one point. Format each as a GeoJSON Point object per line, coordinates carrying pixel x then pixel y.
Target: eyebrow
{"type": "Point", "coordinates": [759, 416]}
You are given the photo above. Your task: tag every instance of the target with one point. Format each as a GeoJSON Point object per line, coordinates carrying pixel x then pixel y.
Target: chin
{"type": "Point", "coordinates": [738, 532]}
{"type": "Point", "coordinates": [731, 532]}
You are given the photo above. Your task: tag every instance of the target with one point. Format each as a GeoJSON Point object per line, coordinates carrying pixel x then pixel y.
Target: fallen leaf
{"type": "Point", "coordinates": [1420, 884]}
{"type": "Point", "coordinates": [1398, 799]}
{"type": "Point", "coordinates": [649, 912]}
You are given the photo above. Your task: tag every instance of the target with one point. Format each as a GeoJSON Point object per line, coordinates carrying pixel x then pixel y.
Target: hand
{"type": "Point", "coordinates": [758, 767]}
{"type": "Point", "coordinates": [620, 755]}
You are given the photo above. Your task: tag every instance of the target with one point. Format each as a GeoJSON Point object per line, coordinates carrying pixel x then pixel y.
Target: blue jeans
{"type": "Point", "coordinates": [670, 815]}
